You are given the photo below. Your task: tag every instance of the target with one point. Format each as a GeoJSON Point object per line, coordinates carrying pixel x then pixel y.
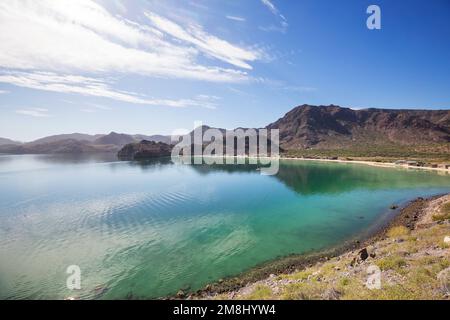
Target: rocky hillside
{"type": "Point", "coordinates": [145, 150]}
{"type": "Point", "coordinates": [116, 139]}
{"type": "Point", "coordinates": [333, 127]}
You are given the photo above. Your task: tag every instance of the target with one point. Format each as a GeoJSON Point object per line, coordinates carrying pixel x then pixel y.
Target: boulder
{"type": "Point", "coordinates": [447, 239]}
{"type": "Point", "coordinates": [362, 255]}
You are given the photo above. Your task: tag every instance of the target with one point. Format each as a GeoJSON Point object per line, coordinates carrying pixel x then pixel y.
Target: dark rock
{"type": "Point", "coordinates": [360, 257]}
{"type": "Point", "coordinates": [393, 207]}
{"type": "Point", "coordinates": [363, 254]}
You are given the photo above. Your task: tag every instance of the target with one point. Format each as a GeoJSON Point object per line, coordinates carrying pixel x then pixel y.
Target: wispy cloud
{"type": "Point", "coordinates": [52, 45]}
{"type": "Point", "coordinates": [206, 43]}
{"type": "Point", "coordinates": [3, 92]}
{"type": "Point", "coordinates": [73, 84]}
{"type": "Point", "coordinates": [73, 36]}
{"type": "Point", "coordinates": [283, 23]}
{"type": "Point", "coordinates": [34, 112]}
{"type": "Point", "coordinates": [236, 18]}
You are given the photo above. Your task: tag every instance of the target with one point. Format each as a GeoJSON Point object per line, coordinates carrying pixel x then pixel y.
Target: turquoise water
{"type": "Point", "coordinates": [147, 229]}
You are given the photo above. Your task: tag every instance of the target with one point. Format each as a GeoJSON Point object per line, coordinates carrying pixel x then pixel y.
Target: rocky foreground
{"type": "Point", "coordinates": [412, 257]}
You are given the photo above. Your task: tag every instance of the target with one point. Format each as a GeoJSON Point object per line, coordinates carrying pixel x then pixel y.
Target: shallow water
{"type": "Point", "coordinates": [147, 229]}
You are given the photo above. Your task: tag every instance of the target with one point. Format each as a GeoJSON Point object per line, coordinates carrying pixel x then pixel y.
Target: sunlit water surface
{"type": "Point", "coordinates": [145, 230]}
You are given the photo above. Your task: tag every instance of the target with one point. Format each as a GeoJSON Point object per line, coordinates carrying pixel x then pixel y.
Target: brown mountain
{"type": "Point", "coordinates": [333, 127]}
{"type": "Point", "coordinates": [116, 139]}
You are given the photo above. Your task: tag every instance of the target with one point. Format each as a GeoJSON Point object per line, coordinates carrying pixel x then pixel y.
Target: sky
{"type": "Point", "coordinates": [155, 66]}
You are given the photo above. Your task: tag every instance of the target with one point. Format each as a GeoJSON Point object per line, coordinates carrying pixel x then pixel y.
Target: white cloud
{"type": "Point", "coordinates": [282, 19]}
{"type": "Point", "coordinates": [73, 84]}
{"type": "Point", "coordinates": [73, 37]}
{"type": "Point", "coordinates": [271, 6]}
{"type": "Point", "coordinates": [3, 92]}
{"type": "Point", "coordinates": [34, 112]}
{"type": "Point", "coordinates": [206, 43]}
{"type": "Point", "coordinates": [235, 18]}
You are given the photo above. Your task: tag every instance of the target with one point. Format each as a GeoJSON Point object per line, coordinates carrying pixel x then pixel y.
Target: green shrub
{"type": "Point", "coordinates": [391, 263]}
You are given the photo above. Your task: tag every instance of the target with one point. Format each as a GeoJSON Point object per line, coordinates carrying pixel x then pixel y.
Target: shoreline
{"type": "Point", "coordinates": [407, 216]}
{"type": "Point", "coordinates": [362, 162]}
{"type": "Point", "coordinates": [371, 163]}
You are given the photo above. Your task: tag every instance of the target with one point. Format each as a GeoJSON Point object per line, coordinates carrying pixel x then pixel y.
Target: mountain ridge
{"type": "Point", "coordinates": [305, 127]}
{"type": "Point", "coordinates": [308, 126]}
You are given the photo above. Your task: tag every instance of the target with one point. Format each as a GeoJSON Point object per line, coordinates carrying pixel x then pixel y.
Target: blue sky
{"type": "Point", "coordinates": [155, 66]}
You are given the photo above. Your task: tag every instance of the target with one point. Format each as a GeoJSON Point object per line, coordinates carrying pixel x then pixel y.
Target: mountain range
{"type": "Point", "coordinates": [333, 127]}
{"type": "Point", "coordinates": [304, 127]}
{"type": "Point", "coordinates": [77, 143]}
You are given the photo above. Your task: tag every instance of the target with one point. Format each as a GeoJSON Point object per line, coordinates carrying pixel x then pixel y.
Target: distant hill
{"type": "Point", "coordinates": [116, 139]}
{"type": "Point", "coordinates": [77, 143]}
{"type": "Point", "coordinates": [155, 138]}
{"type": "Point", "coordinates": [57, 147]}
{"type": "Point", "coordinates": [145, 150]}
{"type": "Point", "coordinates": [333, 127]}
{"type": "Point", "coordinates": [4, 141]}
{"type": "Point", "coordinates": [61, 137]}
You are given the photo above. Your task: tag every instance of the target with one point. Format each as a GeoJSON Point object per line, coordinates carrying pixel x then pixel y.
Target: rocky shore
{"type": "Point", "coordinates": [411, 253]}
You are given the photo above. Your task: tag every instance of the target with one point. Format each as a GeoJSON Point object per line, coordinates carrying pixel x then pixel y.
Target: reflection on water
{"type": "Point", "coordinates": [146, 229]}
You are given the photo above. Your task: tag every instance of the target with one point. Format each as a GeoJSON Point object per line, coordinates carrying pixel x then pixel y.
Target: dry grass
{"type": "Point", "coordinates": [398, 232]}
{"type": "Point", "coordinates": [444, 213]}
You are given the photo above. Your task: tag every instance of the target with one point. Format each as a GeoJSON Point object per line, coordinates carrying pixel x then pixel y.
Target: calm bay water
{"type": "Point", "coordinates": [147, 229]}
